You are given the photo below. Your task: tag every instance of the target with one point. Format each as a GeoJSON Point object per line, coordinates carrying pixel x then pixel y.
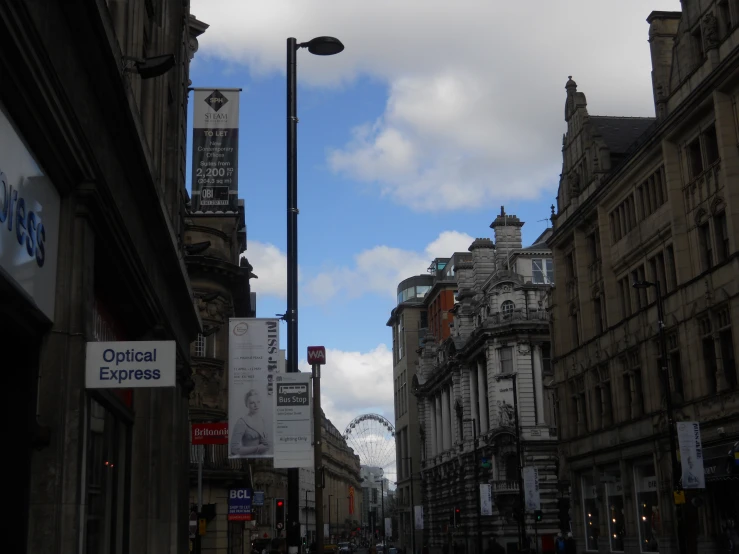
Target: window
{"type": "Point", "coordinates": [652, 193]}
{"type": "Point", "coordinates": [623, 219]}
{"type": "Point", "coordinates": [706, 249]}
{"type": "Point", "coordinates": [107, 473]}
{"type": "Point", "coordinates": [507, 308]}
{"type": "Point", "coordinates": [725, 18]}
{"type": "Point", "coordinates": [640, 294]}
{"type": "Point", "coordinates": [709, 354]}
{"type": "Point", "coordinates": [546, 359]}
{"type": "Point", "coordinates": [676, 372]}
{"type": "Point", "coordinates": [710, 145]}
{"type": "Point", "coordinates": [594, 246]}
{"type": "Point", "coordinates": [727, 348]}
{"type": "Point", "coordinates": [698, 51]}
{"type": "Point", "coordinates": [615, 500]}
{"type": "Point", "coordinates": [632, 384]}
{"type": "Point", "coordinates": [542, 271]}
{"type": "Point", "coordinates": [598, 314]}
{"type": "Point", "coordinates": [695, 161]}
{"type": "Point", "coordinates": [401, 338]}
{"type": "Point", "coordinates": [602, 396]}
{"type": "Point", "coordinates": [575, 328]}
{"type": "Point", "coordinates": [722, 237]}
{"type": "Point", "coordinates": [624, 296]}
{"type": "Point", "coordinates": [581, 408]}
{"type": "Point", "coordinates": [200, 346]}
{"type": "Point", "coordinates": [671, 277]}
{"type": "Point", "coordinates": [590, 512]}
{"type": "Point", "coordinates": [657, 272]}
{"type": "Point", "coordinates": [511, 467]}
{"type": "Point", "coordinates": [506, 359]}
{"type": "Point", "coordinates": [649, 521]}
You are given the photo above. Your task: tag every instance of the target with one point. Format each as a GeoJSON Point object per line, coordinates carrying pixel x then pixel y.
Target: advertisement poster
{"type": "Point", "coordinates": [253, 353]}
{"type": "Point", "coordinates": [239, 505]}
{"type": "Point", "coordinates": [691, 454]}
{"type": "Point", "coordinates": [486, 499]}
{"type": "Point", "coordinates": [293, 422]}
{"type": "Point", "coordinates": [215, 150]}
{"type": "Point", "coordinates": [418, 517]}
{"type": "Point", "coordinates": [258, 498]}
{"type": "Point", "coordinates": [531, 488]}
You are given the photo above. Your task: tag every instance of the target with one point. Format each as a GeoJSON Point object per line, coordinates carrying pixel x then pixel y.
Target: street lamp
{"type": "Point", "coordinates": [413, 508]}
{"type": "Point", "coordinates": [665, 374]}
{"type": "Point", "coordinates": [382, 497]}
{"type": "Point", "coordinates": [330, 496]}
{"type": "Point", "coordinates": [476, 463]}
{"type": "Point", "coordinates": [321, 46]}
{"type": "Point", "coordinates": [521, 500]}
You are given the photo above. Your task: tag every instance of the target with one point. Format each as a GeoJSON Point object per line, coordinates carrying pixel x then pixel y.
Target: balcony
{"type": "Point", "coordinates": [516, 316]}
{"type": "Point", "coordinates": [505, 487]}
{"type": "Point", "coordinates": [216, 459]}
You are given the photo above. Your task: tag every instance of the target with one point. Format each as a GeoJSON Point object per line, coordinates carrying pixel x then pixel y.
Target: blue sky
{"type": "Point", "coordinates": [409, 141]}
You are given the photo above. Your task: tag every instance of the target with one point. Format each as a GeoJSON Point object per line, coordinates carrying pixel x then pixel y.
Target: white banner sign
{"type": "Point", "coordinates": [531, 488]}
{"type": "Point", "coordinates": [418, 517]}
{"type": "Point", "coordinates": [691, 455]}
{"type": "Point", "coordinates": [325, 530]}
{"type": "Point", "coordinates": [388, 527]}
{"type": "Point", "coordinates": [130, 364]}
{"type": "Point", "coordinates": [486, 499]}
{"type": "Point", "coordinates": [293, 422]}
{"type": "Point", "coordinates": [253, 352]}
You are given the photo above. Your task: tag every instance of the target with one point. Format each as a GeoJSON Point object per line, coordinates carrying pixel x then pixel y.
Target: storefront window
{"type": "Point", "coordinates": [615, 499]}
{"type": "Point", "coordinates": [590, 512]}
{"type": "Point", "coordinates": [647, 507]}
{"type": "Point", "coordinates": [107, 469]}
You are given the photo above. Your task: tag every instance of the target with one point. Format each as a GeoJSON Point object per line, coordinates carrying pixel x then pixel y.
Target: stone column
{"type": "Point", "coordinates": [431, 433]}
{"type": "Point", "coordinates": [474, 398]}
{"type": "Point", "coordinates": [439, 425]}
{"type": "Point", "coordinates": [482, 377]}
{"type": "Point", "coordinates": [452, 417]}
{"type": "Point", "coordinates": [446, 429]}
{"type": "Point", "coordinates": [538, 385]}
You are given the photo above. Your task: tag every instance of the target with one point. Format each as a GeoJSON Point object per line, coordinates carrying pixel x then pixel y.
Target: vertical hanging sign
{"type": "Point", "coordinates": [215, 150]}
{"type": "Point", "coordinates": [486, 499]}
{"type": "Point", "coordinates": [691, 454]}
{"type": "Point", "coordinates": [531, 488]}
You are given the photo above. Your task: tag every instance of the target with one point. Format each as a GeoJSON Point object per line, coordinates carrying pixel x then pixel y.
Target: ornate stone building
{"type": "Point", "coordinates": [655, 200]}
{"type": "Point", "coordinates": [497, 331]}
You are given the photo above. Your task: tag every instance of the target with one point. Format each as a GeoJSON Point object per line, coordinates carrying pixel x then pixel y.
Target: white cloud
{"type": "Point", "coordinates": [270, 267]}
{"type": "Point", "coordinates": [356, 383]}
{"type": "Point", "coordinates": [475, 88]}
{"type": "Point", "coordinates": [380, 269]}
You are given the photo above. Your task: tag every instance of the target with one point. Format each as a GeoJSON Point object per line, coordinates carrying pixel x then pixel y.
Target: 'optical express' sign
{"type": "Point", "coordinates": [130, 364]}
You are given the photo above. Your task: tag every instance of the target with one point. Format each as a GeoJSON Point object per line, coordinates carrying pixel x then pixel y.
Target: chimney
{"type": "Point", "coordinates": [507, 230]}
{"type": "Point", "coordinates": [663, 28]}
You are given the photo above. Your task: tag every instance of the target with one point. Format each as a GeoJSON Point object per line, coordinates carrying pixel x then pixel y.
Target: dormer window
{"type": "Point", "coordinates": [507, 307]}
{"type": "Point", "coordinates": [542, 271]}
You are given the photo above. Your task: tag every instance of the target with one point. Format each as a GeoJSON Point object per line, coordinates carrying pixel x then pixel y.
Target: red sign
{"type": "Point", "coordinates": [316, 355]}
{"type": "Point", "coordinates": [210, 433]}
{"type": "Point", "coordinates": [240, 517]}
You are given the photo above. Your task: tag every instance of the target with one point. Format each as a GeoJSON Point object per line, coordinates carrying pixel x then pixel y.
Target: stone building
{"type": "Point", "coordinates": [92, 197]}
{"type": "Point", "coordinates": [497, 331]}
{"type": "Point", "coordinates": [374, 492]}
{"type": "Point", "coordinates": [651, 200]}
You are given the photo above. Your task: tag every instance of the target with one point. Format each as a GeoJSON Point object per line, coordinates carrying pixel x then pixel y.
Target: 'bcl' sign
{"type": "Point", "coordinates": [316, 355]}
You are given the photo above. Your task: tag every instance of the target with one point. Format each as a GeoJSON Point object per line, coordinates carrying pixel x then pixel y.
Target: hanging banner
{"type": "Point", "coordinates": [691, 455]}
{"type": "Point", "coordinates": [351, 501]}
{"type": "Point", "coordinates": [418, 517]}
{"type": "Point", "coordinates": [326, 532]}
{"type": "Point", "coordinates": [215, 150]}
{"type": "Point", "coordinates": [486, 499]}
{"type": "Point", "coordinates": [239, 505]}
{"type": "Point", "coordinates": [388, 527]}
{"type": "Point", "coordinates": [293, 422]}
{"type": "Point", "coordinates": [253, 352]}
{"type": "Point", "coordinates": [531, 488]}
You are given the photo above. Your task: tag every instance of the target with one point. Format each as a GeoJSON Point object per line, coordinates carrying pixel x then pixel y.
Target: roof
{"type": "Point", "coordinates": [619, 133]}
{"type": "Point", "coordinates": [541, 242]}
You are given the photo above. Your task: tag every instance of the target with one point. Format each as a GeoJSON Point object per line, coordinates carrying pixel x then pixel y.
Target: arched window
{"type": "Point", "coordinates": [511, 468]}
{"type": "Point", "coordinates": [507, 307]}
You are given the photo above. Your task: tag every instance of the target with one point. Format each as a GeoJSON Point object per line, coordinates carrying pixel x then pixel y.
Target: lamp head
{"type": "Point", "coordinates": [642, 284]}
{"type": "Point", "coordinates": [323, 46]}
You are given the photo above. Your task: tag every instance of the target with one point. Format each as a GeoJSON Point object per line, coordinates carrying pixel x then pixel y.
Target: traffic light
{"type": "Point", "coordinates": [457, 517]}
{"type": "Point", "coordinates": [279, 514]}
{"type": "Point", "coordinates": [537, 515]}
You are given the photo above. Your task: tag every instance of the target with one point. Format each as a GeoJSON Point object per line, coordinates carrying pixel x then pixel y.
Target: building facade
{"type": "Point", "coordinates": [409, 322]}
{"type": "Point", "coordinates": [375, 494]}
{"type": "Point", "coordinates": [496, 333]}
{"type": "Point", "coordinates": [92, 197]}
{"type": "Point", "coordinates": [652, 200]}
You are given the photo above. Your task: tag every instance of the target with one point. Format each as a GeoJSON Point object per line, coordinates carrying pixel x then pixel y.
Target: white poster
{"type": "Point", "coordinates": [691, 454]}
{"type": "Point", "coordinates": [388, 528]}
{"type": "Point", "coordinates": [418, 517]}
{"type": "Point", "coordinates": [325, 530]}
{"type": "Point", "coordinates": [293, 422]}
{"type": "Point", "coordinates": [531, 488]}
{"type": "Point", "coordinates": [253, 352]}
{"type": "Point", "coordinates": [486, 499]}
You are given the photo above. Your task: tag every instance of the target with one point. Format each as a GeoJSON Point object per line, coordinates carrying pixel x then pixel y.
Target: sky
{"type": "Point", "coordinates": [435, 115]}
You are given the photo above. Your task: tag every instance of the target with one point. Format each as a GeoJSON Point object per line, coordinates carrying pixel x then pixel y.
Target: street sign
{"type": "Point", "coordinates": [193, 524]}
{"type": "Point", "coordinates": [293, 421]}
{"type": "Point", "coordinates": [258, 498]}
{"type": "Point", "coordinates": [239, 505]}
{"type": "Point", "coordinates": [130, 364]}
{"type": "Point", "coordinates": [317, 355]}
{"type": "Point", "coordinates": [210, 433]}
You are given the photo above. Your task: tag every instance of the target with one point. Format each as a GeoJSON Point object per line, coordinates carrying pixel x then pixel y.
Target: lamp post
{"type": "Point", "coordinates": [413, 508]}
{"type": "Point", "coordinates": [382, 498]}
{"type": "Point", "coordinates": [330, 496]}
{"type": "Point", "coordinates": [476, 463]}
{"type": "Point", "coordinates": [665, 374]}
{"type": "Point", "coordinates": [321, 46]}
{"type": "Point", "coordinates": [521, 499]}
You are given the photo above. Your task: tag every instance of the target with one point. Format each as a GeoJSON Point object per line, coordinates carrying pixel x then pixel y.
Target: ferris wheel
{"type": "Point", "coordinates": [373, 439]}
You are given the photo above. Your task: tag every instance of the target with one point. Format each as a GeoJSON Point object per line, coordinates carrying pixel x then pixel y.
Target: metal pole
{"type": "Point", "coordinates": [201, 456]}
{"type": "Point", "coordinates": [384, 536]}
{"type": "Point", "coordinates": [676, 473]}
{"type": "Point", "coordinates": [317, 458]}
{"type": "Point", "coordinates": [476, 461]}
{"type": "Point", "coordinates": [522, 513]}
{"type": "Point", "coordinates": [330, 496]}
{"type": "Point", "coordinates": [413, 509]}
{"type": "Point", "coordinates": [291, 316]}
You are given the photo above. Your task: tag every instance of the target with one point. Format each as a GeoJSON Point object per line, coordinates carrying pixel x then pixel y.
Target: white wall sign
{"type": "Point", "coordinates": [293, 422]}
{"type": "Point", "coordinates": [130, 364]}
{"type": "Point", "coordinates": [691, 454]}
{"type": "Point", "coordinates": [486, 499]}
{"type": "Point", "coordinates": [29, 220]}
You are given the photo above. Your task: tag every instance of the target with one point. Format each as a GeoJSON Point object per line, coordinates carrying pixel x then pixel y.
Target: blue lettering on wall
{"type": "Point", "coordinates": [29, 231]}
